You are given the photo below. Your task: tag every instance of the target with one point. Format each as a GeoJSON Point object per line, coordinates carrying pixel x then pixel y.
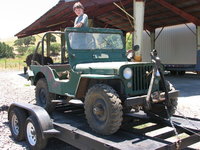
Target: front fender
{"type": "Point", "coordinates": [85, 80]}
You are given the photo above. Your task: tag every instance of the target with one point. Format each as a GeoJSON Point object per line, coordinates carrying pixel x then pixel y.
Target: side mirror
{"type": "Point", "coordinates": [136, 48]}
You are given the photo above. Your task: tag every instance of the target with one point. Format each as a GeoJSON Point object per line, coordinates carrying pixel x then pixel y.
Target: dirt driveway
{"type": "Point", "coordinates": [15, 88]}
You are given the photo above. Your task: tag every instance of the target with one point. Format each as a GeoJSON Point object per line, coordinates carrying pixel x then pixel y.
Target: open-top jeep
{"type": "Point", "coordinates": [99, 74]}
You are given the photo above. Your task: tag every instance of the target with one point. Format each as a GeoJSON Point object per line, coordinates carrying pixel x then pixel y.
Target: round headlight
{"type": "Point", "coordinates": [127, 73]}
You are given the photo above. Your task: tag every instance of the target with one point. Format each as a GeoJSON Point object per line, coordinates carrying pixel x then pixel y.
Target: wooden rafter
{"type": "Point", "coordinates": [179, 12]}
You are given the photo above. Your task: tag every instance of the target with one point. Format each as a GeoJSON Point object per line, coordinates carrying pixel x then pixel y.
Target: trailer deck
{"type": "Point", "coordinates": [139, 132]}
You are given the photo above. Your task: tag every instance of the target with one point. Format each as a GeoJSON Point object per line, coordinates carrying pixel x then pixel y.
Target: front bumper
{"type": "Point", "coordinates": [141, 100]}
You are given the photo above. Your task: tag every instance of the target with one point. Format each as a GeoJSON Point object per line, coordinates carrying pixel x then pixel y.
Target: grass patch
{"type": "Point", "coordinates": [10, 63]}
{"type": "Point", "coordinates": [27, 85]}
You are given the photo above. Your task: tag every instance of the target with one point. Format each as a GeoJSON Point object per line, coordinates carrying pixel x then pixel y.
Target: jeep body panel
{"type": "Point", "coordinates": [62, 87]}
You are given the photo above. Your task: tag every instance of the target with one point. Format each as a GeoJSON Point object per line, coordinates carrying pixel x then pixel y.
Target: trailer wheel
{"type": "Point", "coordinates": [159, 108]}
{"type": "Point", "coordinates": [103, 109]}
{"type": "Point", "coordinates": [17, 118]}
{"type": "Point", "coordinates": [181, 73]}
{"type": "Point", "coordinates": [34, 134]}
{"type": "Point", "coordinates": [43, 96]}
{"type": "Point", "coordinates": [173, 72]}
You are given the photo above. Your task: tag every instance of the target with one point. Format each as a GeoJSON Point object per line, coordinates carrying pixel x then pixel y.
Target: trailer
{"type": "Point", "coordinates": [178, 47]}
{"type": "Point", "coordinates": [68, 124]}
{"type": "Point", "coordinates": [180, 69]}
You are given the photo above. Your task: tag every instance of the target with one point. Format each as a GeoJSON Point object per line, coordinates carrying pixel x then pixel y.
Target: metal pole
{"type": "Point", "coordinates": [152, 36]}
{"type": "Point", "coordinates": [139, 8]}
{"type": "Point", "coordinates": [198, 46]}
{"type": "Point", "coordinates": [198, 37]}
{"type": "Point", "coordinates": [63, 57]}
{"type": "Point", "coordinates": [48, 39]}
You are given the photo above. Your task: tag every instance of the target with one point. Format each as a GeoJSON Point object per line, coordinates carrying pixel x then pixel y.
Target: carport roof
{"type": "Point", "coordinates": [158, 13]}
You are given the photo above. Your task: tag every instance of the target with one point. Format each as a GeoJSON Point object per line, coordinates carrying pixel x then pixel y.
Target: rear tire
{"type": "Point", "coordinates": [43, 96]}
{"type": "Point", "coordinates": [103, 109]}
{"type": "Point", "coordinates": [173, 72]}
{"type": "Point", "coordinates": [34, 134]}
{"type": "Point", "coordinates": [17, 118]}
{"type": "Point", "coordinates": [181, 73]}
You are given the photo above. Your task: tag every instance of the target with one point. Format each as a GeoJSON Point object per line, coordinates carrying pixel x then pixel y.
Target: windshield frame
{"type": "Point", "coordinates": [93, 31]}
{"type": "Point", "coordinates": [95, 41]}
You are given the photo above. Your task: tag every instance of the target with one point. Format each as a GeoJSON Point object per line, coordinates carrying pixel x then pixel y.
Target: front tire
{"type": "Point", "coordinates": [34, 134]}
{"type": "Point", "coordinates": [103, 109]}
{"type": "Point", "coordinates": [43, 96]}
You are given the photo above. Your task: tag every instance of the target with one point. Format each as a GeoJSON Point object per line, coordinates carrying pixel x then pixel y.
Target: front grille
{"type": "Point", "coordinates": [141, 78]}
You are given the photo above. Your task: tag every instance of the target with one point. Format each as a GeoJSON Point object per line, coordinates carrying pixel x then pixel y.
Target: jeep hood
{"type": "Point", "coordinates": [104, 68]}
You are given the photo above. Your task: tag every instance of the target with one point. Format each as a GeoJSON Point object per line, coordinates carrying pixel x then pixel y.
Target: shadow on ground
{"type": "Point", "coordinates": [188, 84]}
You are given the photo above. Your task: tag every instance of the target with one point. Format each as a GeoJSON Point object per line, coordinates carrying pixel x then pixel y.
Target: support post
{"type": "Point", "coordinates": [198, 47]}
{"type": "Point", "coordinates": [139, 8]}
{"type": "Point", "coordinates": [153, 39]}
{"type": "Point", "coordinates": [48, 40]}
{"type": "Point", "coordinates": [63, 49]}
{"type": "Point", "coordinates": [198, 37]}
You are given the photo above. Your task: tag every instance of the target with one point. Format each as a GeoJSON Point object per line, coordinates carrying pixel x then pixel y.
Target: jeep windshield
{"type": "Point", "coordinates": [105, 41]}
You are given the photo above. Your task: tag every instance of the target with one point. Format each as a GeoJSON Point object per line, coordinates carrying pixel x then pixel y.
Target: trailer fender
{"type": "Point", "coordinates": [41, 115]}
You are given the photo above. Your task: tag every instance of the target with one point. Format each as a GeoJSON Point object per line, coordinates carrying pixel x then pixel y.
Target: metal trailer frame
{"type": "Point", "coordinates": [185, 67]}
{"type": "Point", "coordinates": [68, 124]}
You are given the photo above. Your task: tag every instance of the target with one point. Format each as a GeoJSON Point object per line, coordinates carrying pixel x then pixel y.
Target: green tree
{"type": "Point", "coordinates": [55, 48]}
{"type": "Point", "coordinates": [30, 40]}
{"type": "Point", "coordinates": [22, 44]}
{"type": "Point", "coordinates": [18, 42]}
{"type": "Point", "coordinates": [32, 48]}
{"type": "Point", "coordinates": [6, 51]}
{"type": "Point", "coordinates": [53, 38]}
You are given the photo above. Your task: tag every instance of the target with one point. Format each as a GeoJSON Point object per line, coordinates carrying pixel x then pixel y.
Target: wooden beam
{"type": "Point", "coordinates": [179, 12]}
{"type": "Point", "coordinates": [169, 14]}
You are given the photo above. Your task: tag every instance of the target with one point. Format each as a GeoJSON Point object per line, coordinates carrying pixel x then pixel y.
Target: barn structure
{"type": "Point", "coordinates": [127, 15]}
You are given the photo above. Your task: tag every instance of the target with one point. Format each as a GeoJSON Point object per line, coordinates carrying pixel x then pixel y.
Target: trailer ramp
{"type": "Point", "coordinates": [138, 132]}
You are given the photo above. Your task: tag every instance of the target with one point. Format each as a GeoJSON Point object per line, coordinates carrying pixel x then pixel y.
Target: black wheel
{"type": "Point", "coordinates": [160, 109]}
{"type": "Point", "coordinates": [43, 96]}
{"type": "Point", "coordinates": [17, 118]}
{"type": "Point", "coordinates": [103, 109]}
{"type": "Point", "coordinates": [34, 134]}
{"type": "Point", "coordinates": [173, 72]}
{"type": "Point", "coordinates": [181, 73]}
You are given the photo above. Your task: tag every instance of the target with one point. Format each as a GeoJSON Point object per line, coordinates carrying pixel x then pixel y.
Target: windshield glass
{"type": "Point", "coordinates": [95, 40]}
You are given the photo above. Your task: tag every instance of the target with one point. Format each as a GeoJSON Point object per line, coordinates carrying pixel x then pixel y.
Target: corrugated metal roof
{"type": "Point", "coordinates": [158, 13]}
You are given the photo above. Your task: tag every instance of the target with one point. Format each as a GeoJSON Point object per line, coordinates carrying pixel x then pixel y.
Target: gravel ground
{"type": "Point", "coordinates": [15, 88]}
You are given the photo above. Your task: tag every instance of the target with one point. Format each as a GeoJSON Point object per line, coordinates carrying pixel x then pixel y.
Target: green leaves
{"type": "Point", "coordinates": [23, 44]}
{"type": "Point", "coordinates": [6, 51]}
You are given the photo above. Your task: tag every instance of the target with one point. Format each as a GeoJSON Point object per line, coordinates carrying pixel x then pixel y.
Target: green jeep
{"type": "Point", "coordinates": [98, 73]}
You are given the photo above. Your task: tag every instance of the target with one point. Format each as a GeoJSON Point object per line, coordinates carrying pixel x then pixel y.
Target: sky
{"type": "Point", "coordinates": [15, 15]}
